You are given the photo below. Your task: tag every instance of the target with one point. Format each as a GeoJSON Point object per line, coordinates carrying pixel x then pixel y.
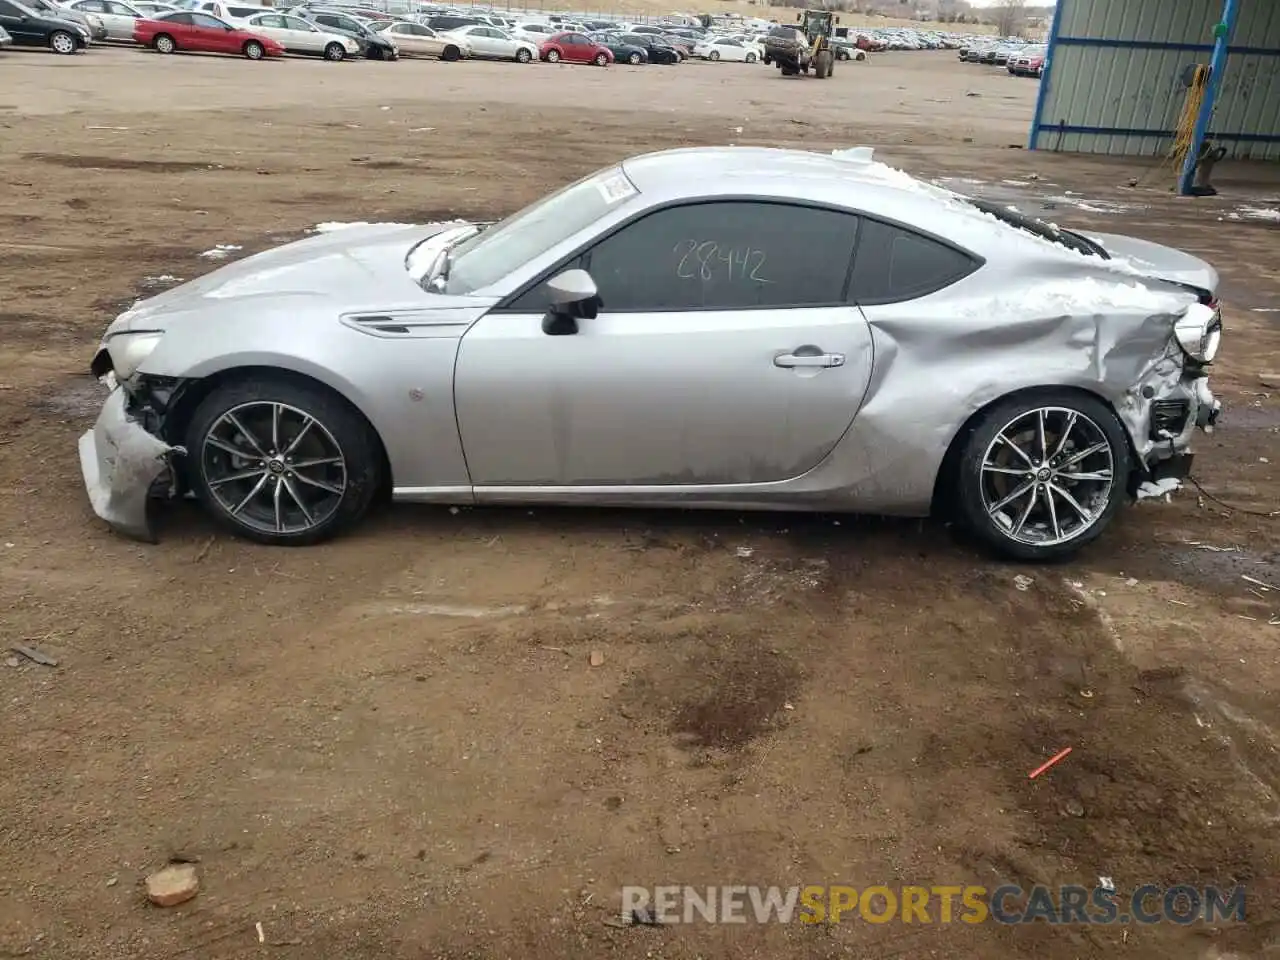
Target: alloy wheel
{"type": "Point", "coordinates": [273, 467]}
{"type": "Point", "coordinates": [63, 43]}
{"type": "Point", "coordinates": [1047, 476]}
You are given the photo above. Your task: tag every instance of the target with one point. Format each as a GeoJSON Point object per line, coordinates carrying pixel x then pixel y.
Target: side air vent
{"type": "Point", "coordinates": [381, 323]}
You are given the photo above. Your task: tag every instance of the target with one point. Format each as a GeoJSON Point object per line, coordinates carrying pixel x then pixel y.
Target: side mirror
{"type": "Point", "coordinates": [573, 297]}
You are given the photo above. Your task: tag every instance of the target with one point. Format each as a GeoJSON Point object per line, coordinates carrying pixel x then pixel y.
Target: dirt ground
{"type": "Point", "coordinates": [394, 746]}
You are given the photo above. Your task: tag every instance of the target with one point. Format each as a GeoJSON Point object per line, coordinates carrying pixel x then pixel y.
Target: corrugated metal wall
{"type": "Point", "coordinates": [1111, 96]}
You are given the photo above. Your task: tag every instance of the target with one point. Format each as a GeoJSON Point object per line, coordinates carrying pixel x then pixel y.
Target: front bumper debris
{"type": "Point", "coordinates": [120, 461]}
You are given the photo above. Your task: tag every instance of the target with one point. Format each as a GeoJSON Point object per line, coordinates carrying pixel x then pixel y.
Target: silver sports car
{"type": "Point", "coordinates": [722, 327]}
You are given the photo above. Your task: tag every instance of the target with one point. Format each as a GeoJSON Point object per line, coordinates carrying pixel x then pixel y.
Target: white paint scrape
{"type": "Point", "coordinates": [221, 251]}
{"type": "Point", "coordinates": [1088, 297]}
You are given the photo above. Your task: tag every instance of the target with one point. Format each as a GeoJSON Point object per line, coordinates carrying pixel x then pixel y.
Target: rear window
{"type": "Point", "coordinates": [1040, 228]}
{"type": "Point", "coordinates": [894, 264]}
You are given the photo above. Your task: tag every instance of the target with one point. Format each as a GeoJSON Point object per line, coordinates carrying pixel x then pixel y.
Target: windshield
{"type": "Point", "coordinates": [489, 256]}
{"type": "Point", "coordinates": [1041, 228]}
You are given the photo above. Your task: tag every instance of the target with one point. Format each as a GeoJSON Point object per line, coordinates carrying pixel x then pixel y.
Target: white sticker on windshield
{"type": "Point", "coordinates": [615, 188]}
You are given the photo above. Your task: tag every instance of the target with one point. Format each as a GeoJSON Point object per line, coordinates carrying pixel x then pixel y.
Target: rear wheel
{"type": "Point", "coordinates": [523, 56]}
{"type": "Point", "coordinates": [164, 44]}
{"type": "Point", "coordinates": [634, 59]}
{"type": "Point", "coordinates": [335, 52]}
{"type": "Point", "coordinates": [451, 53]}
{"type": "Point", "coordinates": [553, 56]}
{"type": "Point", "coordinates": [822, 65]}
{"type": "Point", "coordinates": [282, 462]}
{"type": "Point", "coordinates": [751, 58]}
{"type": "Point", "coordinates": [1040, 477]}
{"type": "Point", "coordinates": [601, 60]}
{"type": "Point", "coordinates": [62, 42]}
{"type": "Point", "coordinates": [254, 50]}
{"type": "Point", "coordinates": [714, 55]}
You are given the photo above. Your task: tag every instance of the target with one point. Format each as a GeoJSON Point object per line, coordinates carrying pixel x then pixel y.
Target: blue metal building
{"type": "Point", "coordinates": [1118, 75]}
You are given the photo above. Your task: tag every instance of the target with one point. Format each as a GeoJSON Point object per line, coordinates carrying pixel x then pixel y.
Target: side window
{"type": "Point", "coordinates": [271, 21]}
{"type": "Point", "coordinates": [721, 255]}
{"type": "Point", "coordinates": [179, 18]}
{"type": "Point", "coordinates": [895, 264]}
{"type": "Point", "coordinates": [297, 23]}
{"type": "Point", "coordinates": [92, 6]}
{"type": "Point", "coordinates": [213, 23]}
{"type": "Point", "coordinates": [119, 9]}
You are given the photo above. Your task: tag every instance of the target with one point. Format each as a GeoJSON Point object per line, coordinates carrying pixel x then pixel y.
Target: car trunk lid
{"type": "Point", "coordinates": [1160, 262]}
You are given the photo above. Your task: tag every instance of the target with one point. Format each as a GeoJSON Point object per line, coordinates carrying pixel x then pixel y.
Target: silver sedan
{"type": "Point", "coordinates": [722, 327]}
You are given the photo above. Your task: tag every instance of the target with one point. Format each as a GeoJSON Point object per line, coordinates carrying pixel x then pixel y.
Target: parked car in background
{"type": "Point", "coordinates": [90, 21]}
{"type": "Point", "coordinates": [536, 33]}
{"type": "Point", "coordinates": [847, 50]}
{"type": "Point", "coordinates": [725, 48]}
{"type": "Point", "coordinates": [5, 39]}
{"type": "Point", "coordinates": [494, 43]}
{"type": "Point", "coordinates": [232, 12]}
{"type": "Point", "coordinates": [152, 8]}
{"type": "Point", "coordinates": [574, 48]}
{"type": "Point", "coordinates": [1028, 63]}
{"type": "Point", "coordinates": [303, 37]}
{"type": "Point", "coordinates": [658, 51]}
{"type": "Point", "coordinates": [117, 16]}
{"type": "Point", "coordinates": [27, 28]}
{"type": "Point", "coordinates": [443, 23]}
{"type": "Point", "coordinates": [376, 46]}
{"type": "Point", "coordinates": [413, 39]}
{"type": "Point", "coordinates": [622, 51]}
{"type": "Point", "coordinates": [190, 31]}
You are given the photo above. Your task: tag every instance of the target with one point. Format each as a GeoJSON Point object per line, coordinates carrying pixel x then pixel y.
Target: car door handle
{"type": "Point", "coordinates": [809, 360]}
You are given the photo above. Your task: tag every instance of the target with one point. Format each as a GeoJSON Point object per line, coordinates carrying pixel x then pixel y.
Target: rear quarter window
{"type": "Point", "coordinates": [894, 264]}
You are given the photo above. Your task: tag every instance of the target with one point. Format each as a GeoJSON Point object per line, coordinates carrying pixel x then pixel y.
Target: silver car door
{"type": "Point", "coordinates": [724, 352]}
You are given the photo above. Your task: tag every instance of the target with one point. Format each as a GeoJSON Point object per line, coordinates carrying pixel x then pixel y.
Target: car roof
{"type": "Point", "coordinates": [849, 179]}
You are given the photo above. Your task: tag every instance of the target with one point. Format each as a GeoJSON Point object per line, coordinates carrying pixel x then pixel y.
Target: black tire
{"type": "Point", "coordinates": [860, 55]}
{"type": "Point", "coordinates": [254, 50]}
{"type": "Point", "coordinates": [714, 55]}
{"type": "Point", "coordinates": [335, 52]}
{"type": "Point", "coordinates": [553, 56]}
{"type": "Point", "coordinates": [1092, 418]}
{"type": "Point", "coordinates": [751, 58]}
{"type": "Point", "coordinates": [62, 42]}
{"type": "Point", "coordinates": [634, 59]}
{"type": "Point", "coordinates": [451, 54]}
{"type": "Point", "coordinates": [163, 43]}
{"type": "Point", "coordinates": [523, 56]}
{"type": "Point", "coordinates": [842, 55]}
{"type": "Point", "coordinates": [354, 438]}
{"type": "Point", "coordinates": [601, 60]}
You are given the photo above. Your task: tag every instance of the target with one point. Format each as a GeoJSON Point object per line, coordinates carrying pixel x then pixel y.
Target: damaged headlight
{"type": "Point", "coordinates": [129, 350]}
{"type": "Point", "coordinates": [1199, 331]}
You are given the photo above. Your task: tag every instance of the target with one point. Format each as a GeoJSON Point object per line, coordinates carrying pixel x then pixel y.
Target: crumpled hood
{"type": "Point", "coordinates": [351, 268]}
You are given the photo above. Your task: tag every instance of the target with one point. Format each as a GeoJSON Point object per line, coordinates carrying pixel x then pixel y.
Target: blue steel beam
{"type": "Point", "coordinates": [1217, 65]}
{"type": "Point", "coordinates": [1046, 71]}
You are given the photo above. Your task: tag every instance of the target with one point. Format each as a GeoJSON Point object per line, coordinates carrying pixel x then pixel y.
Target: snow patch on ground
{"type": "Point", "coordinates": [1091, 206]}
{"type": "Point", "coordinates": [1251, 212]}
{"type": "Point", "coordinates": [221, 251]}
{"type": "Point", "coordinates": [1159, 488]}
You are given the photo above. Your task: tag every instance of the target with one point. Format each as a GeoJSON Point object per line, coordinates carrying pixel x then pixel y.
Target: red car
{"type": "Point", "coordinates": [574, 48]}
{"type": "Point", "coordinates": [202, 33]}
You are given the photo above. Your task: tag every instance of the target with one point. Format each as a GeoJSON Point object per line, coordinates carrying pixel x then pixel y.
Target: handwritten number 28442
{"type": "Point", "coordinates": [703, 260]}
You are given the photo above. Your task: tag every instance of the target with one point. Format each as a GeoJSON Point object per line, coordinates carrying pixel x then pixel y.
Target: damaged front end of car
{"type": "Point", "coordinates": [125, 460]}
{"type": "Point", "coordinates": [1172, 399]}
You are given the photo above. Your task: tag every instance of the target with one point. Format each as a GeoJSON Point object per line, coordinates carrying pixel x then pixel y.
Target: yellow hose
{"type": "Point", "coordinates": [1184, 135]}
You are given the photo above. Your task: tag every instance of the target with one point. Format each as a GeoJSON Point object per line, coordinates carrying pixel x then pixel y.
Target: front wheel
{"type": "Point", "coordinates": [1038, 478]}
{"type": "Point", "coordinates": [254, 50]}
{"type": "Point", "coordinates": [164, 44]}
{"type": "Point", "coordinates": [281, 462]}
{"type": "Point", "coordinates": [751, 58]}
{"type": "Point", "coordinates": [553, 56]}
{"type": "Point", "coordinates": [713, 55]}
{"type": "Point", "coordinates": [62, 42]}
{"type": "Point", "coordinates": [601, 60]}
{"type": "Point", "coordinates": [335, 52]}
{"type": "Point", "coordinates": [523, 56]}
{"type": "Point", "coordinates": [634, 59]}
{"type": "Point", "coordinates": [451, 54]}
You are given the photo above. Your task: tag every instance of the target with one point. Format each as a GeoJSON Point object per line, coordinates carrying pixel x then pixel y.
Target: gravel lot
{"type": "Point", "coordinates": [394, 746]}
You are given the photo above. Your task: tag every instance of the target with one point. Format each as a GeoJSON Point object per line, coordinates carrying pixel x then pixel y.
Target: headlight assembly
{"type": "Point", "coordinates": [1199, 331]}
{"type": "Point", "coordinates": [129, 350]}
